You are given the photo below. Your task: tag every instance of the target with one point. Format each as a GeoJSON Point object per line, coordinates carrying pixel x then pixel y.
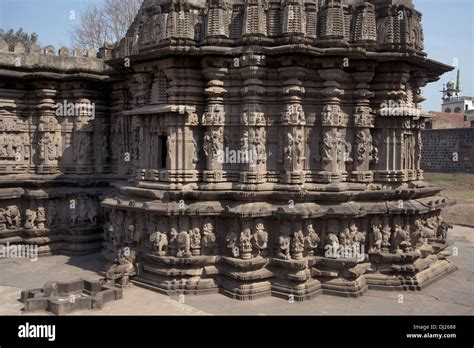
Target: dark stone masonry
{"type": "Point", "coordinates": [131, 152]}
{"type": "Point", "coordinates": [448, 150]}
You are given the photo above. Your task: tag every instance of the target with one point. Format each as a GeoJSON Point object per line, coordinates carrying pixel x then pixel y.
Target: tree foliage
{"type": "Point", "coordinates": [106, 23]}
{"type": "Point", "coordinates": [12, 37]}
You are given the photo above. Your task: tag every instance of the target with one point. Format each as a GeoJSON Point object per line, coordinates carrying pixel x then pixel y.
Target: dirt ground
{"type": "Point", "coordinates": [460, 187]}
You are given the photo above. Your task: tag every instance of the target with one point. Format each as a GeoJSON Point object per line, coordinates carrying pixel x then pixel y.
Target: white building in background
{"type": "Point", "coordinates": [453, 102]}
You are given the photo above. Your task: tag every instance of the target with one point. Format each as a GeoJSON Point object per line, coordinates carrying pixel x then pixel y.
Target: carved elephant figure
{"type": "Point", "coordinates": [401, 240]}
{"type": "Point", "coordinates": [442, 231]}
{"type": "Point", "coordinates": [260, 240]}
{"type": "Point", "coordinates": [30, 219]}
{"type": "Point", "coordinates": [122, 268]}
{"type": "Point", "coordinates": [159, 241]}
{"type": "Point", "coordinates": [184, 244]}
{"type": "Point", "coordinates": [375, 240]}
{"type": "Point", "coordinates": [12, 215]}
{"type": "Point", "coordinates": [283, 251]}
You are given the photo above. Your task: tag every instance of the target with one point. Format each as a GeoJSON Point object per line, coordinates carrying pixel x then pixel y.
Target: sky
{"type": "Point", "coordinates": [448, 30]}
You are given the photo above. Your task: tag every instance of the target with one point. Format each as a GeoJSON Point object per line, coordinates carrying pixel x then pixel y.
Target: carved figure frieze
{"type": "Point", "coordinates": [293, 114]}
{"type": "Point", "coordinates": [122, 268]}
{"type": "Point", "coordinates": [356, 237]}
{"type": "Point", "coordinates": [374, 150]}
{"type": "Point", "coordinates": [422, 232]}
{"type": "Point", "coordinates": [348, 156]}
{"type": "Point", "coordinates": [41, 217]}
{"type": "Point", "coordinates": [195, 234]}
{"type": "Point", "coordinates": [311, 240]}
{"type": "Point", "coordinates": [442, 231]}
{"type": "Point", "coordinates": [3, 220]}
{"type": "Point", "coordinates": [213, 142]}
{"type": "Point", "coordinates": [386, 236]}
{"type": "Point", "coordinates": [260, 239]}
{"type": "Point", "coordinates": [284, 241]}
{"type": "Point", "coordinates": [288, 149]}
{"type": "Point", "coordinates": [30, 219]}
{"type": "Point", "coordinates": [363, 117]}
{"type": "Point", "coordinates": [332, 116]}
{"type": "Point", "coordinates": [49, 147]}
{"type": "Point", "coordinates": [362, 143]}
{"type": "Point", "coordinates": [159, 241]}
{"type": "Point", "coordinates": [246, 243]}
{"type": "Point", "coordinates": [173, 239]}
{"type": "Point", "coordinates": [401, 240]}
{"type": "Point", "coordinates": [232, 239]}
{"type": "Point", "coordinates": [214, 116]}
{"type": "Point", "coordinates": [376, 239]}
{"type": "Point", "coordinates": [326, 148]}
{"type": "Point", "coordinates": [332, 243]}
{"type": "Point", "coordinates": [13, 217]}
{"type": "Point", "coordinates": [9, 124]}
{"type": "Point", "coordinates": [209, 240]}
{"type": "Point", "coordinates": [82, 146]}
{"type": "Point", "coordinates": [52, 217]}
{"type": "Point", "coordinates": [257, 139]}
{"type": "Point", "coordinates": [297, 244]}
{"type": "Point", "coordinates": [252, 116]}
{"type": "Point", "coordinates": [340, 145]}
{"type": "Point", "coordinates": [13, 147]}
{"type": "Point", "coordinates": [184, 244]}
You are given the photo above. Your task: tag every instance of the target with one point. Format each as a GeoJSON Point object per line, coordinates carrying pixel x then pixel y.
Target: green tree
{"type": "Point", "coordinates": [12, 38]}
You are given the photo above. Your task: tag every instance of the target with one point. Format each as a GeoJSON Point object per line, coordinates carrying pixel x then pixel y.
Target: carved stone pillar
{"type": "Point", "coordinates": [393, 104]}
{"type": "Point", "coordinates": [252, 120]}
{"type": "Point", "coordinates": [334, 146]}
{"type": "Point", "coordinates": [49, 146]}
{"type": "Point", "coordinates": [418, 122]}
{"type": "Point", "coordinates": [213, 120]}
{"type": "Point", "coordinates": [293, 121]}
{"type": "Point", "coordinates": [362, 143]}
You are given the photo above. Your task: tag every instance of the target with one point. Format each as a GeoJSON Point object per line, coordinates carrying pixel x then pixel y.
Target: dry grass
{"type": "Point", "coordinates": [460, 187]}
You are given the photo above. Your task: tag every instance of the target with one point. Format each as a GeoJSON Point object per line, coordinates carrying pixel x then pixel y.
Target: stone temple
{"type": "Point", "coordinates": [252, 148]}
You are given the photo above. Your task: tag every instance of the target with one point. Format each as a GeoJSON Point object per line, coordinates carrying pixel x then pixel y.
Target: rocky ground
{"type": "Point", "coordinates": [452, 295]}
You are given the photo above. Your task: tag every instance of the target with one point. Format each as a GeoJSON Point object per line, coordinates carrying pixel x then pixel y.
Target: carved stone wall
{"type": "Point", "coordinates": [248, 147]}
{"type": "Point", "coordinates": [54, 149]}
{"type": "Point", "coordinates": [334, 164]}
